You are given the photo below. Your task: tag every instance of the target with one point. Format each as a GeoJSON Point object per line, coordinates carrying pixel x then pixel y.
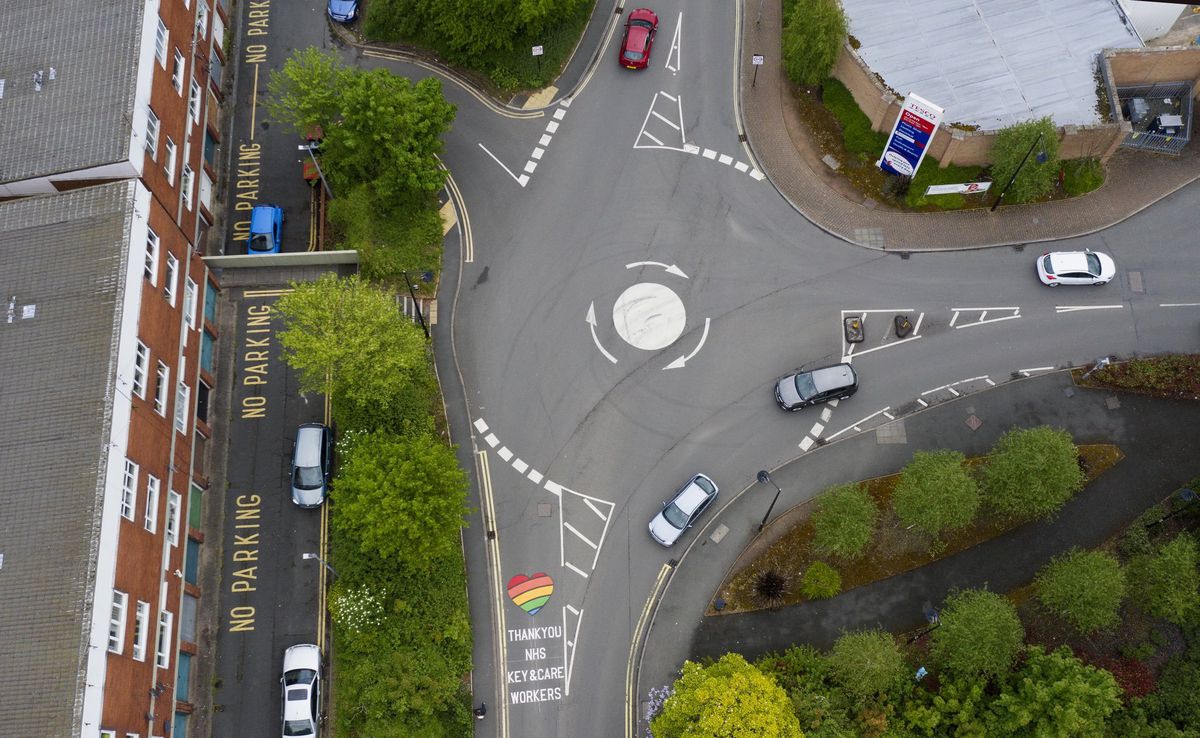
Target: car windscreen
{"type": "Point", "coordinates": [308, 477]}
{"type": "Point", "coordinates": [705, 485]}
{"type": "Point", "coordinates": [675, 516]}
{"type": "Point", "coordinates": [298, 727]}
{"type": "Point", "coordinates": [299, 676]}
{"type": "Point", "coordinates": [1093, 263]}
{"type": "Point", "coordinates": [804, 386]}
{"type": "Point", "coordinates": [260, 242]}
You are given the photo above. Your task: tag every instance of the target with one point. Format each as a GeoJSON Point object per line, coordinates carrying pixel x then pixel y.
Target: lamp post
{"type": "Point", "coordinates": [311, 147]}
{"type": "Point", "coordinates": [1188, 496]}
{"type": "Point", "coordinates": [765, 478]}
{"type": "Point", "coordinates": [425, 277]}
{"type": "Point", "coordinates": [310, 556]}
{"type": "Point", "coordinates": [1041, 160]}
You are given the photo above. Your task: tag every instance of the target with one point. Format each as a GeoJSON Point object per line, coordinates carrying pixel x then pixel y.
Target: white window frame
{"type": "Point", "coordinates": [174, 504]}
{"type": "Point", "coordinates": [163, 643]}
{"type": "Point", "coordinates": [183, 398]}
{"type": "Point", "coordinates": [132, 735]}
{"type": "Point", "coordinates": [161, 37]}
{"type": "Point", "coordinates": [141, 626]}
{"type": "Point", "coordinates": [151, 270]}
{"type": "Point", "coordinates": [177, 70]}
{"type": "Point", "coordinates": [188, 184]}
{"type": "Point", "coordinates": [153, 488]}
{"type": "Point", "coordinates": [141, 363]}
{"type": "Point", "coordinates": [152, 125]}
{"type": "Point", "coordinates": [116, 622]}
{"type": "Point", "coordinates": [170, 163]}
{"type": "Point", "coordinates": [162, 379]}
{"type": "Point", "coordinates": [194, 101]}
{"type": "Point", "coordinates": [202, 19]}
{"type": "Point", "coordinates": [190, 303]}
{"type": "Point", "coordinates": [108, 734]}
{"type": "Point", "coordinates": [129, 490]}
{"type": "Point", "coordinates": [172, 280]}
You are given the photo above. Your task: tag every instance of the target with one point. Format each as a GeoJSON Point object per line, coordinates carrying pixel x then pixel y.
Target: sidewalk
{"type": "Point", "coordinates": [1158, 459]}
{"type": "Point", "coordinates": [792, 162]}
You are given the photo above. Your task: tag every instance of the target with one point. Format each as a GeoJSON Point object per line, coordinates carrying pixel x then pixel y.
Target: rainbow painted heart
{"type": "Point", "coordinates": [531, 593]}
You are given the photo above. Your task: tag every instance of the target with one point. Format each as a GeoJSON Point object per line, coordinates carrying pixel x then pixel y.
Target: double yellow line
{"type": "Point", "coordinates": [492, 545]}
{"type": "Point", "coordinates": [643, 621]}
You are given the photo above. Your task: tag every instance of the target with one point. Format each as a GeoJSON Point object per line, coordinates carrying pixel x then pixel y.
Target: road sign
{"type": "Point", "coordinates": [756, 60]}
{"type": "Point", "coordinates": [537, 51]}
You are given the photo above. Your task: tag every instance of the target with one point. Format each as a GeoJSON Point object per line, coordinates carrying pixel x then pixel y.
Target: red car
{"type": "Point", "coordinates": [639, 37]}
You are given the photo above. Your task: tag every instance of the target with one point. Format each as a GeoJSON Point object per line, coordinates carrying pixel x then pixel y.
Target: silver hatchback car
{"type": "Point", "coordinates": [683, 509]}
{"type": "Point", "coordinates": [312, 461]}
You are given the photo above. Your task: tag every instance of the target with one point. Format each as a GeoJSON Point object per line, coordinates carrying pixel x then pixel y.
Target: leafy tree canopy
{"type": "Point", "coordinates": [1083, 587]}
{"type": "Point", "coordinates": [812, 38]}
{"type": "Point", "coordinates": [1013, 144]}
{"type": "Point", "coordinates": [1055, 695]}
{"type": "Point", "coordinates": [844, 521]}
{"type": "Point", "coordinates": [1166, 581]}
{"type": "Point", "coordinates": [729, 699]}
{"type": "Point", "coordinates": [979, 634]}
{"type": "Point", "coordinates": [1032, 472]}
{"type": "Point", "coordinates": [868, 663]}
{"type": "Point", "coordinates": [936, 492]}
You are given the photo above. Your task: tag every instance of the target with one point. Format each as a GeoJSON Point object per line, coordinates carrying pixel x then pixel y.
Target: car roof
{"type": "Point", "coordinates": [302, 656]}
{"type": "Point", "coordinates": [1069, 261]}
{"type": "Point", "coordinates": [691, 497]}
{"type": "Point", "coordinates": [833, 377]}
{"type": "Point", "coordinates": [308, 444]}
{"type": "Point", "coordinates": [261, 216]}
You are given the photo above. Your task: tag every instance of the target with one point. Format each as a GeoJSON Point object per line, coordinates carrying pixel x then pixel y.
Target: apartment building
{"type": "Point", "coordinates": [109, 114]}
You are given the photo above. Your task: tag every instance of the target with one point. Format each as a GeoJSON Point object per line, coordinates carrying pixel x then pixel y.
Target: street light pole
{"type": "Point", "coordinates": [764, 478]}
{"type": "Point", "coordinates": [310, 556]}
{"type": "Point", "coordinates": [416, 305]}
{"type": "Point", "coordinates": [311, 147]}
{"type": "Point", "coordinates": [1013, 178]}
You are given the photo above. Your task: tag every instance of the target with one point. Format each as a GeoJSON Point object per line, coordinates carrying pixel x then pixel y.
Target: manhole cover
{"type": "Point", "coordinates": [974, 423]}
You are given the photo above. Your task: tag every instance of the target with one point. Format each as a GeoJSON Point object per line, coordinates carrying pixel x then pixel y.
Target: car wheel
{"type": "Point", "coordinates": [1052, 284]}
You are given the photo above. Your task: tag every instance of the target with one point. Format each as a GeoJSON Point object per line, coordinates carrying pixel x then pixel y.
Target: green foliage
{"type": "Point", "coordinates": [957, 708]}
{"type": "Point", "coordinates": [812, 37]}
{"type": "Point", "coordinates": [868, 663]}
{"type": "Point", "coordinates": [1176, 697]}
{"type": "Point", "coordinates": [979, 635]}
{"type": "Point", "coordinates": [1083, 587]}
{"type": "Point", "coordinates": [1032, 472]}
{"type": "Point", "coordinates": [307, 90]}
{"type": "Point", "coordinates": [1081, 176]}
{"type": "Point", "coordinates": [406, 240]}
{"type": "Point", "coordinates": [857, 135]}
{"type": "Point", "coordinates": [931, 173]}
{"type": "Point", "coordinates": [1165, 583]}
{"type": "Point", "coordinates": [1011, 146]}
{"type": "Point", "coordinates": [402, 499]}
{"type": "Point", "coordinates": [936, 493]}
{"type": "Point", "coordinates": [1055, 695]}
{"type": "Point", "coordinates": [728, 699]}
{"type": "Point", "coordinates": [1175, 374]}
{"type": "Point", "coordinates": [844, 521]}
{"type": "Point", "coordinates": [820, 581]}
{"type": "Point", "coordinates": [822, 707]}
{"type": "Point", "coordinates": [1135, 721]}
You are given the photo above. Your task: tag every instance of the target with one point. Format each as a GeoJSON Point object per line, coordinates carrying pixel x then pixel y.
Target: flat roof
{"type": "Point", "coordinates": [63, 261]}
{"type": "Point", "coordinates": [992, 63]}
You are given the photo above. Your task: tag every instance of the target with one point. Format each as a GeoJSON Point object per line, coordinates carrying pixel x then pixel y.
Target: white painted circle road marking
{"type": "Point", "coordinates": [649, 316]}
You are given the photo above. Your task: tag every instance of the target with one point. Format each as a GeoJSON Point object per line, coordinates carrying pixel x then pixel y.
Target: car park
{"type": "Point", "coordinates": [342, 11]}
{"type": "Point", "coordinates": [682, 510]}
{"type": "Point", "coordinates": [301, 682]}
{"type": "Point", "coordinates": [640, 29]}
{"type": "Point", "coordinates": [1075, 267]}
{"type": "Point", "coordinates": [266, 230]}
{"type": "Point", "coordinates": [802, 389]}
{"type": "Point", "coordinates": [312, 462]}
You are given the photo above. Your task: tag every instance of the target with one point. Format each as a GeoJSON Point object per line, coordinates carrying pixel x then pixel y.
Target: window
{"type": "Point", "coordinates": [174, 502]}
{"type": "Point", "coordinates": [116, 622]}
{"type": "Point", "coordinates": [141, 624]}
{"type": "Point", "coordinates": [172, 276]}
{"type": "Point", "coordinates": [151, 270]}
{"type": "Point", "coordinates": [141, 361]}
{"type": "Point", "coordinates": [161, 380]}
{"type": "Point", "coordinates": [151, 519]}
{"type": "Point", "coordinates": [170, 165]}
{"type": "Point", "coordinates": [189, 304]}
{"type": "Point", "coordinates": [196, 507]}
{"type": "Point", "coordinates": [194, 101]}
{"type": "Point", "coordinates": [202, 19]}
{"type": "Point", "coordinates": [131, 735]}
{"type": "Point", "coordinates": [165, 620]}
{"type": "Point", "coordinates": [188, 186]}
{"type": "Point", "coordinates": [160, 44]}
{"type": "Point", "coordinates": [191, 563]}
{"type": "Point", "coordinates": [210, 302]}
{"type": "Point", "coordinates": [202, 393]}
{"type": "Point", "coordinates": [110, 733]}
{"type": "Point", "coordinates": [187, 618]}
{"type": "Point", "coordinates": [151, 133]}
{"type": "Point", "coordinates": [177, 72]}
{"type": "Point", "coordinates": [183, 676]}
{"type": "Point", "coordinates": [129, 489]}
{"type": "Point", "coordinates": [183, 395]}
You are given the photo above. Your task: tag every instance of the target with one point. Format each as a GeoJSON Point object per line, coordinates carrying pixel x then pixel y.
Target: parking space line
{"type": "Point", "coordinates": [665, 119]}
{"type": "Point", "coordinates": [1031, 369]}
{"type": "Point", "coordinates": [578, 535]}
{"type": "Point", "coordinates": [587, 501]}
{"type": "Point", "coordinates": [575, 569]}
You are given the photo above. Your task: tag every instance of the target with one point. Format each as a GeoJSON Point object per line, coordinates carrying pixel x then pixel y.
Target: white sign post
{"type": "Point", "coordinates": [757, 61]}
{"type": "Point", "coordinates": [537, 54]}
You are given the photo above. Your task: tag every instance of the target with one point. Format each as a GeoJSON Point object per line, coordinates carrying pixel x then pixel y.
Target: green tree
{"type": "Point", "coordinates": [1055, 695]}
{"type": "Point", "coordinates": [844, 521]}
{"type": "Point", "coordinates": [812, 38]}
{"type": "Point", "coordinates": [307, 90]}
{"type": "Point", "coordinates": [820, 581]}
{"type": "Point", "coordinates": [868, 663]}
{"type": "Point", "coordinates": [728, 699]}
{"type": "Point", "coordinates": [346, 339]}
{"type": "Point", "coordinates": [399, 498]}
{"type": "Point", "coordinates": [936, 493]}
{"type": "Point", "coordinates": [822, 707]}
{"type": "Point", "coordinates": [1035, 179]}
{"type": "Point", "coordinates": [979, 634]}
{"type": "Point", "coordinates": [1165, 582]}
{"type": "Point", "coordinates": [1032, 472]}
{"type": "Point", "coordinates": [958, 707]}
{"type": "Point", "coordinates": [1085, 588]}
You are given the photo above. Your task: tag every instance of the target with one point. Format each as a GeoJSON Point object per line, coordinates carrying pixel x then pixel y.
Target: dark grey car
{"type": "Point", "coordinates": [312, 461]}
{"type": "Point", "coordinates": [835, 382]}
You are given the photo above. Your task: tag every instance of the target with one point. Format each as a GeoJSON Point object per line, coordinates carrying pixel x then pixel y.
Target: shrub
{"type": "Point", "coordinates": [844, 521]}
{"type": "Point", "coordinates": [820, 581]}
{"type": "Point", "coordinates": [1012, 147]}
{"type": "Point", "coordinates": [868, 663]}
{"type": "Point", "coordinates": [1081, 176]}
{"type": "Point", "coordinates": [1055, 694]}
{"type": "Point", "coordinates": [1165, 582]}
{"type": "Point", "coordinates": [1085, 588]}
{"type": "Point", "coordinates": [936, 493]}
{"type": "Point", "coordinates": [728, 691]}
{"type": "Point", "coordinates": [857, 135]}
{"type": "Point", "coordinates": [1032, 472]}
{"type": "Point", "coordinates": [812, 37]}
{"type": "Point", "coordinates": [979, 634]}
{"type": "Point", "coordinates": [932, 173]}
{"type": "Point", "coordinates": [771, 586]}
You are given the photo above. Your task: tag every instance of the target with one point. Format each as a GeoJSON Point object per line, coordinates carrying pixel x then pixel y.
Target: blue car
{"type": "Point", "coordinates": [343, 11]}
{"type": "Point", "coordinates": [266, 230]}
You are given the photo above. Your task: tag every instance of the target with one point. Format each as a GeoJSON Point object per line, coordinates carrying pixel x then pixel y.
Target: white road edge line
{"type": "Point", "coordinates": [1077, 308]}
{"type": "Point", "coordinates": [522, 180]}
{"type": "Point", "coordinates": [857, 423]}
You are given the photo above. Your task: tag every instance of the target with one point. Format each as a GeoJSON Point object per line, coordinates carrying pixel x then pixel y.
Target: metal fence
{"type": "Point", "coordinates": [1160, 114]}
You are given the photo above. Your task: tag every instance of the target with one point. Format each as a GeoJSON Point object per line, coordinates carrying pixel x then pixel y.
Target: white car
{"type": "Point", "coordinates": [1075, 267]}
{"type": "Point", "coordinates": [681, 511]}
{"type": "Point", "coordinates": [301, 690]}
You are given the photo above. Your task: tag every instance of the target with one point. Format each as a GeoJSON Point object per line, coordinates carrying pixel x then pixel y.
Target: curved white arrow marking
{"type": "Point", "coordinates": [591, 319]}
{"type": "Point", "coordinates": [682, 360]}
{"type": "Point", "coordinates": [669, 268]}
